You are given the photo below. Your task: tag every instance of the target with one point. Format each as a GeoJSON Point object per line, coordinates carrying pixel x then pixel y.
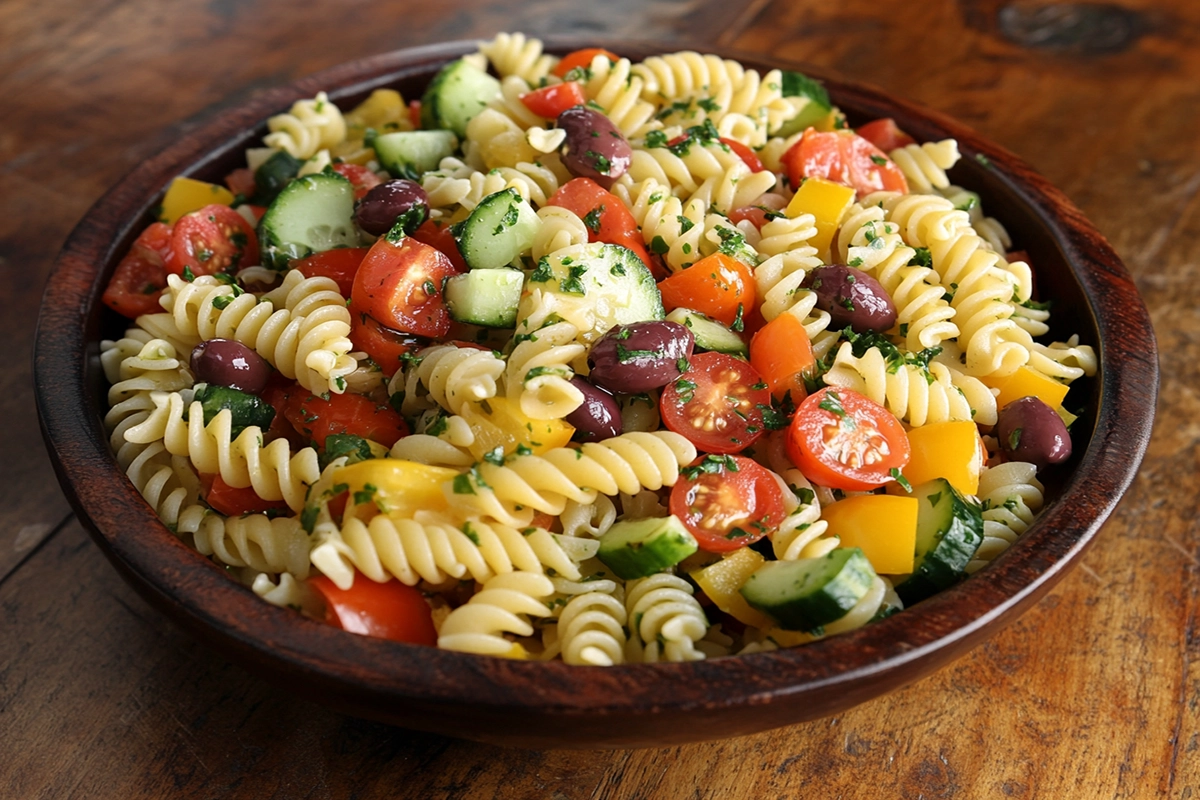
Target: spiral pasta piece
{"type": "Point", "coordinates": [669, 227]}
{"type": "Point", "coordinates": [519, 55]}
{"type": "Point", "coordinates": [309, 126]}
{"type": "Point", "coordinates": [539, 372]}
{"type": "Point", "coordinates": [560, 228]}
{"type": "Point", "coordinates": [588, 519]}
{"type": "Point", "coordinates": [450, 377]}
{"type": "Point", "coordinates": [591, 630]}
{"type": "Point", "coordinates": [667, 621]}
{"type": "Point", "coordinates": [684, 173]}
{"type": "Point", "coordinates": [503, 606]}
{"type": "Point", "coordinates": [166, 482]}
{"type": "Point", "coordinates": [268, 545]}
{"type": "Point", "coordinates": [1063, 361]}
{"type": "Point", "coordinates": [918, 395]}
{"type": "Point", "coordinates": [1011, 496]}
{"type": "Point", "coordinates": [615, 88]}
{"type": "Point", "coordinates": [924, 165]}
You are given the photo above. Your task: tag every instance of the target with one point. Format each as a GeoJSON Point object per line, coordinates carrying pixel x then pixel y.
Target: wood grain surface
{"type": "Point", "coordinates": [1094, 693]}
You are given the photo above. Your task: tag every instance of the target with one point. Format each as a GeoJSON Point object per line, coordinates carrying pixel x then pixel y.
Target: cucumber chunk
{"type": "Point", "coordinates": [273, 175]}
{"type": "Point", "coordinates": [246, 409]}
{"type": "Point", "coordinates": [641, 547]}
{"type": "Point", "coordinates": [409, 154]}
{"type": "Point", "coordinates": [949, 531]}
{"type": "Point", "coordinates": [499, 229]}
{"type": "Point", "coordinates": [710, 334]}
{"type": "Point", "coordinates": [486, 297]}
{"type": "Point", "coordinates": [808, 593]}
{"type": "Point", "coordinates": [312, 214]}
{"type": "Point", "coordinates": [593, 286]}
{"type": "Point", "coordinates": [456, 94]}
{"type": "Point", "coordinates": [795, 84]}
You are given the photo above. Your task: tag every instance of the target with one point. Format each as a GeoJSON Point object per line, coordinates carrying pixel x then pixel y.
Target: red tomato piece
{"type": "Point", "coordinates": [884, 134]}
{"type": "Point", "coordinates": [318, 418]}
{"type": "Point", "coordinates": [783, 355]}
{"type": "Point", "coordinates": [550, 101]}
{"type": "Point", "coordinates": [748, 156]}
{"type": "Point", "coordinates": [241, 181]}
{"type": "Point", "coordinates": [582, 59]}
{"type": "Point", "coordinates": [384, 346]}
{"type": "Point", "coordinates": [214, 239]}
{"type": "Point", "coordinates": [234, 502]}
{"type": "Point", "coordinates": [277, 392]}
{"type": "Point", "coordinates": [727, 502]}
{"type": "Point", "coordinates": [756, 215]}
{"type": "Point", "coordinates": [340, 264]}
{"type": "Point", "coordinates": [435, 234]}
{"type": "Point", "coordinates": [840, 438]}
{"type": "Point", "coordinates": [139, 280]}
{"type": "Point", "coordinates": [718, 285]}
{"type": "Point", "coordinates": [414, 114]}
{"type": "Point", "coordinates": [614, 223]}
{"type": "Point", "coordinates": [399, 285]}
{"type": "Point", "coordinates": [845, 158]}
{"type": "Point", "coordinates": [717, 404]}
{"type": "Point", "coordinates": [362, 178]}
{"type": "Point", "coordinates": [386, 610]}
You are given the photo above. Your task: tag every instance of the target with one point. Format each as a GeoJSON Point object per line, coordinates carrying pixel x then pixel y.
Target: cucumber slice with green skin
{"type": "Point", "coordinates": [594, 286]}
{"type": "Point", "coordinates": [710, 334]}
{"type": "Point", "coordinates": [499, 229]}
{"type": "Point", "coordinates": [246, 409]}
{"type": "Point", "coordinates": [795, 84]}
{"type": "Point", "coordinates": [637, 548]}
{"type": "Point", "coordinates": [312, 214]}
{"type": "Point", "coordinates": [949, 531]}
{"type": "Point", "coordinates": [457, 93]}
{"type": "Point", "coordinates": [808, 593]}
{"type": "Point", "coordinates": [486, 297]}
{"type": "Point", "coordinates": [410, 154]}
{"type": "Point", "coordinates": [273, 175]}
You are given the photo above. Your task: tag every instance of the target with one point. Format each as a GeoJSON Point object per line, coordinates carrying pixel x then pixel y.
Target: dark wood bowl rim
{"type": "Point", "coordinates": [133, 537]}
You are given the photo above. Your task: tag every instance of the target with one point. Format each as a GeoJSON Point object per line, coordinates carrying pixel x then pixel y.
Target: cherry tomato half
{"type": "Point", "coordinates": [884, 134]}
{"type": "Point", "coordinates": [399, 285]}
{"type": "Point", "coordinates": [234, 502]}
{"type": "Point", "coordinates": [433, 233]}
{"type": "Point", "coordinates": [717, 403]}
{"type": "Point", "coordinates": [782, 353]}
{"type": "Point", "coordinates": [843, 157]}
{"type": "Point", "coordinates": [214, 239]}
{"type": "Point", "coordinates": [614, 223]}
{"type": "Point", "coordinates": [340, 264]}
{"type": "Point", "coordinates": [718, 285]}
{"type": "Point", "coordinates": [389, 610]}
{"type": "Point", "coordinates": [727, 502]}
{"type": "Point", "coordinates": [582, 59]}
{"type": "Point", "coordinates": [840, 438]}
{"type": "Point", "coordinates": [141, 277]}
{"type": "Point", "coordinates": [384, 346]}
{"type": "Point", "coordinates": [317, 418]}
{"type": "Point", "coordinates": [550, 101]}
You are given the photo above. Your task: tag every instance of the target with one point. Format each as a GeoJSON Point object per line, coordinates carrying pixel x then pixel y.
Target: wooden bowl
{"type": "Point", "coordinates": [547, 705]}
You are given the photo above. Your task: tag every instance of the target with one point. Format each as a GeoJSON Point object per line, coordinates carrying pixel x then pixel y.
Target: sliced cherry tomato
{"type": "Point", "coordinates": [743, 152]}
{"type": "Point", "coordinates": [613, 221]}
{"type": "Point", "coordinates": [718, 285]}
{"type": "Point", "coordinates": [386, 610]}
{"type": "Point", "coordinates": [756, 215]}
{"type": "Point", "coordinates": [783, 355]}
{"type": "Point", "coordinates": [717, 404]}
{"type": "Point", "coordinates": [234, 502]}
{"type": "Point", "coordinates": [385, 346]}
{"type": "Point", "coordinates": [550, 101]}
{"type": "Point", "coordinates": [433, 233]}
{"type": "Point", "coordinates": [317, 418]}
{"type": "Point", "coordinates": [214, 239]}
{"type": "Point", "coordinates": [884, 134]}
{"type": "Point", "coordinates": [843, 157]}
{"type": "Point", "coordinates": [362, 178]}
{"type": "Point", "coordinates": [139, 280]}
{"type": "Point", "coordinates": [340, 264]}
{"type": "Point", "coordinates": [840, 438]}
{"type": "Point", "coordinates": [727, 502]}
{"type": "Point", "coordinates": [241, 181]}
{"type": "Point", "coordinates": [582, 59]}
{"type": "Point", "coordinates": [399, 285]}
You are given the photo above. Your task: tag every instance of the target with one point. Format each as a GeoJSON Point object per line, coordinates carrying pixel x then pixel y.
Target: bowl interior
{"type": "Point", "coordinates": [558, 705]}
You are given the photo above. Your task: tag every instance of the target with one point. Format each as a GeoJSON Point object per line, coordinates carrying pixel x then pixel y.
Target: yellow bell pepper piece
{"type": "Point", "coordinates": [186, 195]}
{"type": "Point", "coordinates": [1067, 416]}
{"type": "Point", "coordinates": [500, 423]}
{"type": "Point", "coordinates": [827, 202]}
{"type": "Point", "coordinates": [395, 486]}
{"type": "Point", "coordinates": [950, 450]}
{"type": "Point", "coordinates": [722, 580]}
{"type": "Point", "coordinates": [1025, 383]}
{"type": "Point", "coordinates": [385, 111]}
{"type": "Point", "coordinates": [885, 527]}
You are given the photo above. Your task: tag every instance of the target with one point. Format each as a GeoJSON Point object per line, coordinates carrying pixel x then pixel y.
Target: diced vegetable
{"type": "Point", "coordinates": [722, 581]}
{"type": "Point", "coordinates": [883, 526]}
{"type": "Point", "coordinates": [949, 531]}
{"type": "Point", "coordinates": [395, 486]}
{"type": "Point", "coordinates": [806, 594]}
{"type": "Point", "coordinates": [827, 202]}
{"type": "Point", "coordinates": [641, 547]}
{"type": "Point", "coordinates": [188, 194]}
{"type": "Point", "coordinates": [950, 450]}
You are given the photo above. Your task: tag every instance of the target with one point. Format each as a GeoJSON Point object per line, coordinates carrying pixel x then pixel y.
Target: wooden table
{"type": "Point", "coordinates": [1095, 693]}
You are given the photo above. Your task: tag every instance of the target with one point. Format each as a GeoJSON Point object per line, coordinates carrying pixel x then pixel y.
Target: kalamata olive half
{"type": "Point", "coordinates": [645, 355]}
{"type": "Point", "coordinates": [1029, 430]}
{"type": "Point", "coordinates": [594, 148]}
{"type": "Point", "coordinates": [226, 362]}
{"type": "Point", "coordinates": [387, 202]}
{"type": "Point", "coordinates": [852, 297]}
{"type": "Point", "coordinates": [599, 417]}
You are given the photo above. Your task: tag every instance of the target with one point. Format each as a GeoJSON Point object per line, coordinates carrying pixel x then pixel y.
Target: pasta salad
{"type": "Point", "coordinates": [584, 359]}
